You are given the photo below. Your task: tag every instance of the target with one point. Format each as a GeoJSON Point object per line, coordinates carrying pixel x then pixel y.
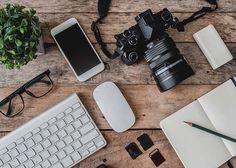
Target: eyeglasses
{"type": "Point", "coordinates": [39, 86]}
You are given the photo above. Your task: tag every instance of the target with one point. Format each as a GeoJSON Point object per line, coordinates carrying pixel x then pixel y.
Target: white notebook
{"type": "Point", "coordinates": [213, 46]}
{"type": "Point", "coordinates": [215, 110]}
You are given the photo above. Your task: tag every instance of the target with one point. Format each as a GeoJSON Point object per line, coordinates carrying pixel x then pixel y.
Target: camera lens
{"type": "Point", "coordinates": [133, 56]}
{"type": "Point", "coordinates": [133, 40]}
{"type": "Point", "coordinates": [126, 33]}
{"type": "Point", "coordinates": [168, 65]}
{"type": "Point", "coordinates": [130, 58]}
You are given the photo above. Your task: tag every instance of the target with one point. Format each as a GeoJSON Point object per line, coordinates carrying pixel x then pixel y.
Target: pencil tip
{"type": "Point", "coordinates": [189, 123]}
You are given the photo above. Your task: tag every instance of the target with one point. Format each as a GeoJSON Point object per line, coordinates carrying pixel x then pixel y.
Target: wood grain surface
{"type": "Point", "coordinates": [149, 105]}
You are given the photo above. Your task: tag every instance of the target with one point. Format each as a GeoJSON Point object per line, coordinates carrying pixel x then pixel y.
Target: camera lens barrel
{"type": "Point", "coordinates": [168, 65]}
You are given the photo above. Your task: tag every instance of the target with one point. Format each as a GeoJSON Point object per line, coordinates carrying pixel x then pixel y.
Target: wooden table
{"type": "Point", "coordinates": [150, 106]}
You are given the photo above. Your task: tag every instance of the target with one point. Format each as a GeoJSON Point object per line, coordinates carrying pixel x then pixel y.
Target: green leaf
{"type": "Point", "coordinates": [12, 52]}
{"type": "Point", "coordinates": [24, 23]}
{"type": "Point", "coordinates": [22, 30]}
{"type": "Point", "coordinates": [32, 44]}
{"type": "Point", "coordinates": [1, 43]}
{"type": "Point", "coordinates": [18, 43]}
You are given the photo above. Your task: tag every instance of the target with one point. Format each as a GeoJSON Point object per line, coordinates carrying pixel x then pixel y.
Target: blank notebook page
{"type": "Point", "coordinates": [195, 148]}
{"type": "Point", "coordinates": [220, 107]}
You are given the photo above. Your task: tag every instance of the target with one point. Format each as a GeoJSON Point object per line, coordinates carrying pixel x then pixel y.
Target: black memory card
{"type": "Point", "coordinates": [133, 150]}
{"type": "Point", "coordinates": [157, 157]}
{"type": "Point", "coordinates": [145, 141]}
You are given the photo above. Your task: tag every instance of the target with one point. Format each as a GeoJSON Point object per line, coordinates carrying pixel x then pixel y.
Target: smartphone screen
{"type": "Point", "coordinates": [77, 49]}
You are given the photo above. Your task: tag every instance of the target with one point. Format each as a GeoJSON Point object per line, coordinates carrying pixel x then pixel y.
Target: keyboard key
{"type": "Point", "coordinates": [61, 144]}
{"type": "Point", "coordinates": [45, 154]}
{"type": "Point", "coordinates": [38, 138]}
{"type": "Point", "coordinates": [53, 120]}
{"type": "Point", "coordinates": [61, 134]}
{"type": "Point", "coordinates": [14, 163]}
{"type": "Point", "coordinates": [38, 148]}
{"type": "Point", "coordinates": [29, 164]}
{"type": "Point", "coordinates": [68, 140]}
{"type": "Point", "coordinates": [77, 124]}
{"type": "Point", "coordinates": [85, 153]}
{"type": "Point", "coordinates": [90, 144]}
{"type": "Point", "coordinates": [76, 135]}
{"type": "Point", "coordinates": [77, 145]}
{"type": "Point", "coordinates": [54, 138]}
{"type": "Point", "coordinates": [67, 111]}
{"type": "Point", "coordinates": [30, 143]}
{"type": "Point", "coordinates": [69, 129]}
{"type": "Point", "coordinates": [29, 135]}
{"type": "Point", "coordinates": [84, 119]}
{"type": "Point", "coordinates": [66, 162]}
{"type": "Point", "coordinates": [80, 111]}
{"type": "Point", "coordinates": [53, 159]}
{"type": "Point", "coordinates": [44, 125]}
{"type": "Point", "coordinates": [22, 158]}
{"type": "Point", "coordinates": [6, 157]}
{"type": "Point", "coordinates": [14, 153]}
{"type": "Point", "coordinates": [37, 159]}
{"type": "Point", "coordinates": [68, 119]}
{"type": "Point", "coordinates": [30, 153]}
{"type": "Point", "coordinates": [61, 154]}
{"type": "Point", "coordinates": [45, 134]}
{"type": "Point", "coordinates": [46, 164]}
{"type": "Point", "coordinates": [69, 149]}
{"type": "Point", "coordinates": [88, 127]}
{"type": "Point", "coordinates": [61, 124]}
{"type": "Point", "coordinates": [11, 146]}
{"type": "Point", "coordinates": [93, 148]}
{"type": "Point", "coordinates": [77, 113]}
{"type": "Point", "coordinates": [4, 150]}
{"type": "Point", "coordinates": [76, 156]}
{"type": "Point", "coordinates": [19, 141]}
{"type": "Point", "coordinates": [61, 115]}
{"type": "Point", "coordinates": [75, 106]}
{"type": "Point", "coordinates": [58, 165]}
{"type": "Point", "coordinates": [53, 129]}
{"type": "Point", "coordinates": [52, 150]}
{"type": "Point", "coordinates": [36, 130]}
{"type": "Point", "coordinates": [100, 143]}
{"type": "Point", "coordinates": [88, 137]}
{"type": "Point", "coordinates": [46, 144]}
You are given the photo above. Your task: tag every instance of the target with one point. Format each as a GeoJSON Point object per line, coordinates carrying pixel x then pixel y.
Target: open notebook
{"type": "Point", "coordinates": [215, 110]}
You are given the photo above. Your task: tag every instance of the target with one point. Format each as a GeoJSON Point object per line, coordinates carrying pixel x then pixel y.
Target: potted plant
{"type": "Point", "coordinates": [19, 35]}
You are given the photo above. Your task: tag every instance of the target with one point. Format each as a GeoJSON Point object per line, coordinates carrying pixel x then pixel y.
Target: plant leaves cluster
{"type": "Point", "coordinates": [19, 34]}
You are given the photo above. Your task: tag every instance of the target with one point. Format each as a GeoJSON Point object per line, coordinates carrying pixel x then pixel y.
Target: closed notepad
{"type": "Point", "coordinates": [213, 46]}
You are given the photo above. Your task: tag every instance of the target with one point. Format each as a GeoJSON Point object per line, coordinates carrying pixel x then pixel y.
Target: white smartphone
{"type": "Point", "coordinates": [77, 49]}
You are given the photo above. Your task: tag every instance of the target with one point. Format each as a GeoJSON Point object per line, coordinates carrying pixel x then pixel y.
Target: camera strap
{"type": "Point", "coordinates": [179, 25]}
{"type": "Point", "coordinates": [103, 8]}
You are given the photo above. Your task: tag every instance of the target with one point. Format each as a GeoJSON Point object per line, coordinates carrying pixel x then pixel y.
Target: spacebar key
{"type": "Point", "coordinates": [88, 137]}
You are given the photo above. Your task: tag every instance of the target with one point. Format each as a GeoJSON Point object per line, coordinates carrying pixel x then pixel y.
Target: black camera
{"type": "Point", "coordinates": [148, 39]}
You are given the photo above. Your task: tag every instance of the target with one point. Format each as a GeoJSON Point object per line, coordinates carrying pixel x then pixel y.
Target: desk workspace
{"type": "Point", "coordinates": [73, 95]}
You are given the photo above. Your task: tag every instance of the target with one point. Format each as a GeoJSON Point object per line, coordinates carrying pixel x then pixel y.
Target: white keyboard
{"type": "Point", "coordinates": [61, 137]}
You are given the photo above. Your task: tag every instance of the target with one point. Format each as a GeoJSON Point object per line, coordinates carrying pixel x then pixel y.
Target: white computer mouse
{"type": "Point", "coordinates": [114, 106]}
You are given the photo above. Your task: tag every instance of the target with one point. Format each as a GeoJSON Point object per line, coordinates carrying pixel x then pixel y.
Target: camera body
{"type": "Point", "coordinates": [148, 39]}
{"type": "Point", "coordinates": [130, 45]}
